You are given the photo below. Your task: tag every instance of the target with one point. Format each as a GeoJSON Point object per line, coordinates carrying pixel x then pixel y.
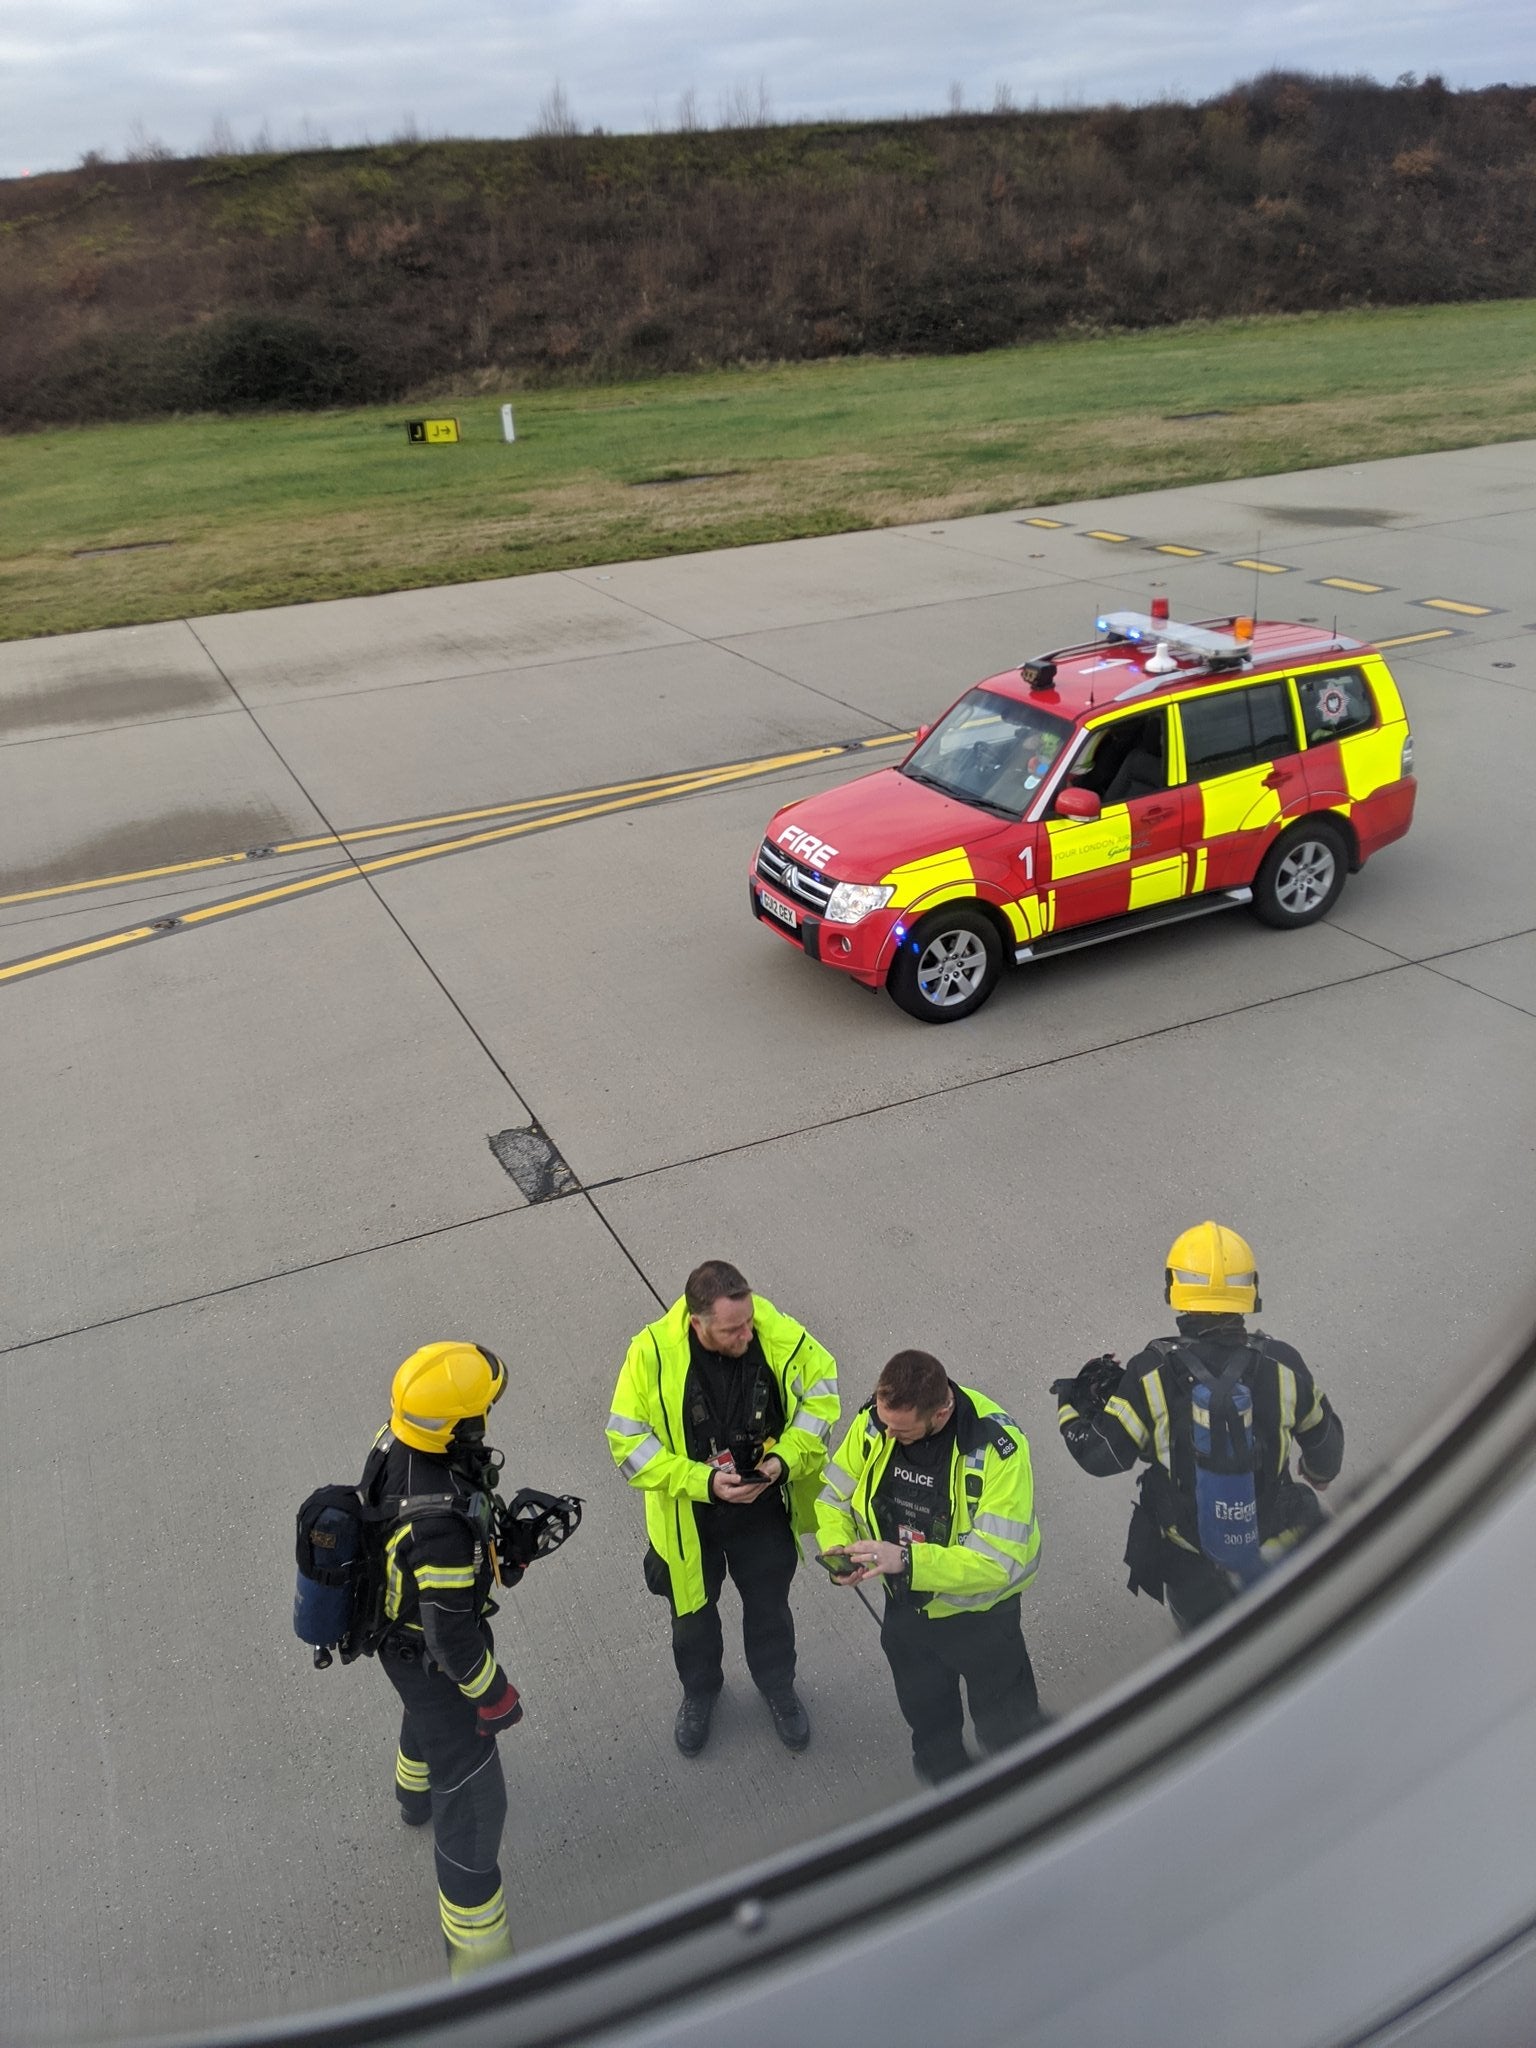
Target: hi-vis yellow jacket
{"type": "Point", "coordinates": [992, 1549]}
{"type": "Point", "coordinates": [650, 1447]}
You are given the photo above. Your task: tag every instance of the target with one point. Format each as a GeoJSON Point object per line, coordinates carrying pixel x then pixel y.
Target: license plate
{"type": "Point", "coordinates": [779, 910]}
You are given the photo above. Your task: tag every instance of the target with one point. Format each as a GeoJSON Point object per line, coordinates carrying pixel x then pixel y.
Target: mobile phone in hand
{"type": "Point", "coordinates": [837, 1564]}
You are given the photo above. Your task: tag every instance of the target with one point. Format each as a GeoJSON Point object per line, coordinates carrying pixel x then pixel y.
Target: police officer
{"type": "Point", "coordinates": [931, 1490]}
{"type": "Point", "coordinates": [721, 1417]}
{"type": "Point", "coordinates": [431, 1470]}
{"type": "Point", "coordinates": [1111, 1418]}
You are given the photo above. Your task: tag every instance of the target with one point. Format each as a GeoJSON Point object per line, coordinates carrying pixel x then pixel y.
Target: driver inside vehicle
{"type": "Point", "coordinates": [1125, 760]}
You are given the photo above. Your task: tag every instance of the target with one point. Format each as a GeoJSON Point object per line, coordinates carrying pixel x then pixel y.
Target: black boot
{"type": "Point", "coordinates": [690, 1731]}
{"type": "Point", "coordinates": [791, 1723]}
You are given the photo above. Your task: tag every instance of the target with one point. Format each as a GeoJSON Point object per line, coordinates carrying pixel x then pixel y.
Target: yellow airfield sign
{"type": "Point", "coordinates": [432, 432]}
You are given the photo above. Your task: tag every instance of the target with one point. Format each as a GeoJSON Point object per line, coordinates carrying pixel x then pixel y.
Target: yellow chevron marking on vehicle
{"type": "Point", "coordinates": [1240, 802]}
{"type": "Point", "coordinates": [1264, 568]}
{"type": "Point", "coordinates": [1050, 524]}
{"type": "Point", "coordinates": [1079, 846]}
{"type": "Point", "coordinates": [950, 871]}
{"type": "Point", "coordinates": [336, 877]}
{"type": "Point", "coordinates": [1373, 759]}
{"type": "Point", "coordinates": [1349, 583]}
{"type": "Point", "coordinates": [1450, 604]}
{"type": "Point", "coordinates": [1102, 533]}
{"type": "Point", "coordinates": [1157, 881]}
{"type": "Point", "coordinates": [1413, 639]}
{"type": "Point", "coordinates": [430, 824]}
{"type": "Point", "coordinates": [1168, 547]}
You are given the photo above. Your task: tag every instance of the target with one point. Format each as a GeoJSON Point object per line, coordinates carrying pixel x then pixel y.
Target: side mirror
{"type": "Point", "coordinates": [922, 734]}
{"type": "Point", "coordinates": [1078, 803]}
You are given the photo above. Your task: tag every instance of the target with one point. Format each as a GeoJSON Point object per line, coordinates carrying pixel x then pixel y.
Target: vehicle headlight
{"type": "Point", "coordinates": [850, 901]}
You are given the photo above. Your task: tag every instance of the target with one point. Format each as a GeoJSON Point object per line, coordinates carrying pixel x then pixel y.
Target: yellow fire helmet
{"type": "Point", "coordinates": [440, 1386]}
{"type": "Point", "coordinates": [1211, 1271]}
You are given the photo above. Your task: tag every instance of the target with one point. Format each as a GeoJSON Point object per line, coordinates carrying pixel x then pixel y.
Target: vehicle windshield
{"type": "Point", "coordinates": [990, 750]}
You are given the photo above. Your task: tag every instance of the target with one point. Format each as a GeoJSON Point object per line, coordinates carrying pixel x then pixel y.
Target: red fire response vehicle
{"type": "Point", "coordinates": [1159, 772]}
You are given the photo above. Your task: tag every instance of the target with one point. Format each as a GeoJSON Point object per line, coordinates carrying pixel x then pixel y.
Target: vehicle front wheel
{"type": "Point", "coordinates": [947, 967]}
{"type": "Point", "coordinates": [1302, 875]}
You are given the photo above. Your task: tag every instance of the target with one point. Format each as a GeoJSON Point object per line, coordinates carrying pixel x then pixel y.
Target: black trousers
{"type": "Point", "coordinates": [468, 1791]}
{"type": "Point", "coordinates": [929, 1658]}
{"type": "Point", "coordinates": [757, 1547]}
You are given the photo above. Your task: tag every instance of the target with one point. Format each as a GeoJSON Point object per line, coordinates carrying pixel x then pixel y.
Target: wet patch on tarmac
{"type": "Point", "coordinates": [1326, 515]}
{"type": "Point", "coordinates": [128, 697]}
{"type": "Point", "coordinates": [192, 834]}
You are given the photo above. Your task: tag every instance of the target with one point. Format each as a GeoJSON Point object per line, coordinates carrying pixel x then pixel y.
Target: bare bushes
{"type": "Point", "coordinates": [335, 277]}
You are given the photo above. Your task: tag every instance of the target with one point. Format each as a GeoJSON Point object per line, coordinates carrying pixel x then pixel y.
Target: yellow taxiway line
{"type": "Point", "coordinates": [430, 824]}
{"type": "Point", "coordinates": [625, 796]}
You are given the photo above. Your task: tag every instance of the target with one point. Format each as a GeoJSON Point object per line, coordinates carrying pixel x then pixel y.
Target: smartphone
{"type": "Point", "coordinates": [837, 1564]}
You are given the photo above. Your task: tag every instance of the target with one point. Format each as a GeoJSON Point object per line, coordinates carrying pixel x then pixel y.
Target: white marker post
{"type": "Point", "coordinates": [508, 431]}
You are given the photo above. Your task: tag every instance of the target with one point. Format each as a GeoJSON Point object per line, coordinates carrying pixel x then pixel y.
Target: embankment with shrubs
{"type": "Point", "coordinates": [343, 277]}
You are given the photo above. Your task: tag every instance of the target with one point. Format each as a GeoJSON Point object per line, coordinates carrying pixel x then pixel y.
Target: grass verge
{"type": "Point", "coordinates": [291, 508]}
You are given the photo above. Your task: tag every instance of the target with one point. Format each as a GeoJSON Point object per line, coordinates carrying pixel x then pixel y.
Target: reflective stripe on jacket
{"type": "Point", "coordinates": [437, 1567]}
{"type": "Point", "coordinates": [1148, 1417]}
{"type": "Point", "coordinates": [993, 1551]}
{"type": "Point", "coordinates": [650, 1447]}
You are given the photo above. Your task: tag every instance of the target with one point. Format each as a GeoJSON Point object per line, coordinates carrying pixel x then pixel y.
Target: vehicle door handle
{"type": "Point", "coordinates": [1276, 776]}
{"type": "Point", "coordinates": [1156, 817]}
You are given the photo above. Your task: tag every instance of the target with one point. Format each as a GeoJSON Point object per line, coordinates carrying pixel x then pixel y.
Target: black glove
{"type": "Point", "coordinates": [1091, 1388]}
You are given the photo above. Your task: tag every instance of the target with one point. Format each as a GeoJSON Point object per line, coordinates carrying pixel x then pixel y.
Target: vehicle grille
{"type": "Point", "coordinates": [798, 883]}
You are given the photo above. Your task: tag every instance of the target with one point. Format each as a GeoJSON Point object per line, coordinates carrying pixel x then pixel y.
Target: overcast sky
{"type": "Point", "coordinates": [77, 75]}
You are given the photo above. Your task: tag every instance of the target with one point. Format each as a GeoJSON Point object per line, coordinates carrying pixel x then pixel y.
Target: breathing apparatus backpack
{"type": "Point", "coordinates": [1226, 1495]}
{"type": "Point", "coordinates": [338, 1602]}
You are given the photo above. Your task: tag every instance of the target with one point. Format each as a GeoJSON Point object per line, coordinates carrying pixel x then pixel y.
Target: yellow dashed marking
{"type": "Point", "coordinates": [1264, 568]}
{"type": "Point", "coordinates": [1168, 547]}
{"type": "Point", "coordinates": [1449, 604]}
{"type": "Point", "coordinates": [1103, 533]}
{"type": "Point", "coordinates": [1349, 583]}
{"type": "Point", "coordinates": [1413, 639]}
{"type": "Point", "coordinates": [1050, 525]}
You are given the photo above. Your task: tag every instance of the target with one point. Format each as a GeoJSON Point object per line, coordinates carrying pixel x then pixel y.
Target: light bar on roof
{"type": "Point", "coordinates": [1196, 643]}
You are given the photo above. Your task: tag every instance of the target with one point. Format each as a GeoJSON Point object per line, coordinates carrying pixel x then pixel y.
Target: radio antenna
{"type": "Point", "coordinates": [1258, 556]}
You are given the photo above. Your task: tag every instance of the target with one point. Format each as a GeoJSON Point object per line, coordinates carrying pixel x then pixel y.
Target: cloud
{"type": "Point", "coordinates": [84, 72]}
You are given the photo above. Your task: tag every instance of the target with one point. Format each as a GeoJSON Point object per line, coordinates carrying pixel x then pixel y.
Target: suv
{"type": "Point", "coordinates": [1160, 772]}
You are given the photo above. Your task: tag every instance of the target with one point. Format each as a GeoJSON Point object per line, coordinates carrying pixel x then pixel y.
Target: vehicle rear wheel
{"type": "Point", "coordinates": [1302, 875]}
{"type": "Point", "coordinates": [947, 967]}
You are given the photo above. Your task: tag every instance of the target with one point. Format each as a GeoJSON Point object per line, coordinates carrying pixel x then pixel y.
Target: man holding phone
{"type": "Point", "coordinates": [931, 1490]}
{"type": "Point", "coordinates": [721, 1417]}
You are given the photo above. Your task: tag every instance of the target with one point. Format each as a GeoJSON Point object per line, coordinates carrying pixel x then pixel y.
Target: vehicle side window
{"type": "Point", "coordinates": [1335, 705]}
{"type": "Point", "coordinates": [1126, 759]}
{"type": "Point", "coordinates": [1237, 729]}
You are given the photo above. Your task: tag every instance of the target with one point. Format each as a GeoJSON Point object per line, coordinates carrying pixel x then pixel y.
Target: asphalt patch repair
{"type": "Point", "coordinates": [532, 1161]}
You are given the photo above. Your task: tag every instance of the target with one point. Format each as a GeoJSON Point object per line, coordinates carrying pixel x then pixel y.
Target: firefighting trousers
{"type": "Point", "coordinates": [930, 1657]}
{"type": "Point", "coordinates": [756, 1546]}
{"type": "Point", "coordinates": [443, 1759]}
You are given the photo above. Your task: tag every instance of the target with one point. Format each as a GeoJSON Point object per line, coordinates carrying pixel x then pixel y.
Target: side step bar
{"type": "Point", "coordinates": [1077, 936]}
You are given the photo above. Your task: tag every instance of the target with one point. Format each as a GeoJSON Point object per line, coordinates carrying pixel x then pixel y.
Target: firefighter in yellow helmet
{"type": "Point", "coordinates": [1214, 1414]}
{"type": "Point", "coordinates": [431, 1471]}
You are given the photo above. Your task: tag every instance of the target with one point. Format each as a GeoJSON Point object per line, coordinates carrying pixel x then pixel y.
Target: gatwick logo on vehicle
{"type": "Point", "coordinates": [807, 847]}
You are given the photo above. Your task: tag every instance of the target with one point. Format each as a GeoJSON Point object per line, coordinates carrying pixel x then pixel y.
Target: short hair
{"type": "Point", "coordinates": [913, 1379]}
{"type": "Point", "coordinates": [715, 1280]}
